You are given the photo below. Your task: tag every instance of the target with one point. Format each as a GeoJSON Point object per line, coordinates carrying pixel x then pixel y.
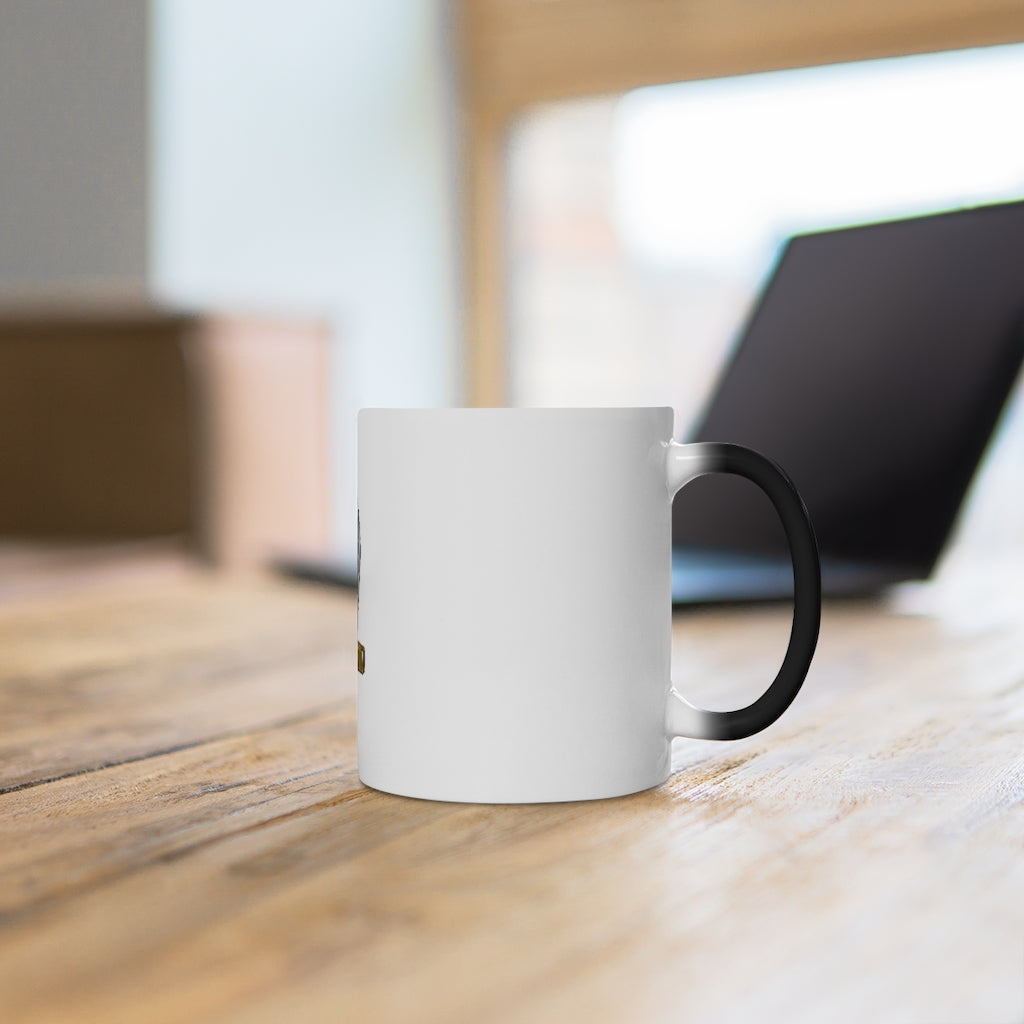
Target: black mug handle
{"type": "Point", "coordinates": [686, 462]}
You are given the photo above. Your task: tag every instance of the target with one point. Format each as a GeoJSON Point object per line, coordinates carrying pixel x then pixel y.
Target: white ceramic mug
{"type": "Point", "coordinates": [515, 623]}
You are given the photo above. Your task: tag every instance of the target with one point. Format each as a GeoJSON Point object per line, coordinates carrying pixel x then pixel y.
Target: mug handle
{"type": "Point", "coordinates": [686, 462]}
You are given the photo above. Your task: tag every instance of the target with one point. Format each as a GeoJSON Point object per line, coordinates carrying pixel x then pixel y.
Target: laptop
{"type": "Point", "coordinates": [873, 369]}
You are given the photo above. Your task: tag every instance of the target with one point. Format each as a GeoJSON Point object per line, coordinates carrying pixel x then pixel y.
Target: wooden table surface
{"type": "Point", "coordinates": [185, 837]}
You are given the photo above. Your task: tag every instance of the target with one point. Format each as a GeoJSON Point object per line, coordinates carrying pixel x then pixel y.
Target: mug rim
{"type": "Point", "coordinates": [517, 410]}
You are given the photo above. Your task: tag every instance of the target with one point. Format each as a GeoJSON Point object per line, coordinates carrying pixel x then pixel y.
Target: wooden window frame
{"type": "Point", "coordinates": [515, 54]}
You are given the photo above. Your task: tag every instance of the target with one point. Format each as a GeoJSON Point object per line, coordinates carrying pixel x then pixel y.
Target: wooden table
{"type": "Point", "coordinates": [185, 838]}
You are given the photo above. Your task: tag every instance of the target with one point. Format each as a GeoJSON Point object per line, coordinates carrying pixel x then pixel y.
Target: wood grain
{"type": "Point", "coordinates": [185, 663]}
{"type": "Point", "coordinates": [861, 860]}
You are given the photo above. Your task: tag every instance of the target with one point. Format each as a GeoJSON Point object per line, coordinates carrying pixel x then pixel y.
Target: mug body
{"type": "Point", "coordinates": [514, 602]}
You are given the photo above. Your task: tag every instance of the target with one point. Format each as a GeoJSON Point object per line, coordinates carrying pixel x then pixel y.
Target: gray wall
{"type": "Point", "coordinates": [73, 141]}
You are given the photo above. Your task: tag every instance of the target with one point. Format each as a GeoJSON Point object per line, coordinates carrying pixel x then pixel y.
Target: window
{"type": "Point", "coordinates": [641, 226]}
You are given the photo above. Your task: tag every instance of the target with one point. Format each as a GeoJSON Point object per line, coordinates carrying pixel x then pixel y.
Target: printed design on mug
{"type": "Point", "coordinates": [361, 650]}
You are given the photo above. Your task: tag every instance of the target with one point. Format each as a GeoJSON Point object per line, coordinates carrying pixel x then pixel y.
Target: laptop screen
{"type": "Point", "coordinates": [873, 370]}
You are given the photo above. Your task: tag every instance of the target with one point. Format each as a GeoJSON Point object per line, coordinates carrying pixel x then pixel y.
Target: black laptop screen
{"type": "Point", "coordinates": [873, 369]}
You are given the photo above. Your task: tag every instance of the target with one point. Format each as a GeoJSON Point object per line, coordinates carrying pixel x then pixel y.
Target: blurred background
{"type": "Point", "coordinates": [226, 226]}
